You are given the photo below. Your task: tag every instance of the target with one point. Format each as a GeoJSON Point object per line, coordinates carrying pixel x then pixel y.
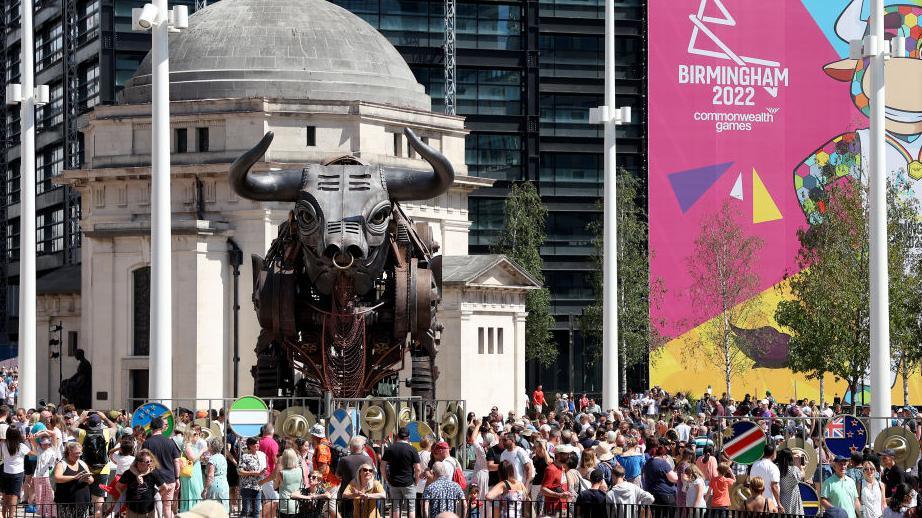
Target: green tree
{"type": "Point", "coordinates": [908, 344]}
{"type": "Point", "coordinates": [521, 239]}
{"type": "Point", "coordinates": [723, 284]}
{"type": "Point", "coordinates": [905, 283]}
{"type": "Point", "coordinates": [638, 340]}
{"type": "Point", "coordinates": [829, 313]}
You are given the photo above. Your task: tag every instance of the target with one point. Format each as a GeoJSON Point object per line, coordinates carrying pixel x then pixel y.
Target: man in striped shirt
{"type": "Point", "coordinates": [701, 440]}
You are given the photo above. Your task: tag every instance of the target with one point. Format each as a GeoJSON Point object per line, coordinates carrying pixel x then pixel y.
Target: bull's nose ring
{"type": "Point", "coordinates": [343, 267]}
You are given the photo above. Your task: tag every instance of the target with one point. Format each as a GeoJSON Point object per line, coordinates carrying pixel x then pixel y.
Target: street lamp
{"type": "Point", "coordinates": [610, 117]}
{"type": "Point", "coordinates": [160, 21]}
{"type": "Point", "coordinates": [874, 46]}
{"type": "Point", "coordinates": [28, 96]}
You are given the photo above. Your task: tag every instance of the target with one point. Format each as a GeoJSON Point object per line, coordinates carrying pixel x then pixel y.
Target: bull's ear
{"type": "Point", "coordinates": [842, 70]}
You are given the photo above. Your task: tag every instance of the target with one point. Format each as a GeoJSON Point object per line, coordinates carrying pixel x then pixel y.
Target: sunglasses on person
{"type": "Point", "coordinates": [869, 470]}
{"type": "Point", "coordinates": [367, 470]}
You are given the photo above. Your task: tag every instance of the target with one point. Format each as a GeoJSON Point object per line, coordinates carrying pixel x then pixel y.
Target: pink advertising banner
{"type": "Point", "coordinates": [758, 105]}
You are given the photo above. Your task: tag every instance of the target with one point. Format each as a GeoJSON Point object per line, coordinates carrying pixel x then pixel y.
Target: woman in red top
{"type": "Point", "coordinates": [720, 486]}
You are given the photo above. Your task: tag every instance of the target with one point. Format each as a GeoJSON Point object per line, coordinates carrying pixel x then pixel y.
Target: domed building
{"type": "Point", "coordinates": [327, 84]}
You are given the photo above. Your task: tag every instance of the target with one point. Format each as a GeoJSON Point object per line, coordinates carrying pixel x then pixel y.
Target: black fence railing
{"type": "Point", "coordinates": [305, 505]}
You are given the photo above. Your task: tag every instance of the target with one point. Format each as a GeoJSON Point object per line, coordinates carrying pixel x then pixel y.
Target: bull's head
{"type": "Point", "coordinates": [342, 212]}
{"type": "Point", "coordinates": [903, 76]}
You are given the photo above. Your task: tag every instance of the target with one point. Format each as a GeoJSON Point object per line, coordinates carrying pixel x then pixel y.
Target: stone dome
{"type": "Point", "coordinates": [289, 49]}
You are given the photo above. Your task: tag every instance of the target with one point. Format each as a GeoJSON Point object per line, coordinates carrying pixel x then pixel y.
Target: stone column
{"type": "Point", "coordinates": [519, 399]}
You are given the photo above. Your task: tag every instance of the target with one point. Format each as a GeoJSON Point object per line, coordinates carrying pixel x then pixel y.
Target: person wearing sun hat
{"type": "Point", "coordinates": [323, 454]}
{"type": "Point", "coordinates": [606, 459]}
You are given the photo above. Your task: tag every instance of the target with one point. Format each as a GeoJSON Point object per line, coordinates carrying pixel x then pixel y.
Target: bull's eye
{"type": "Point", "coordinates": [307, 218]}
{"type": "Point", "coordinates": [377, 223]}
{"type": "Point", "coordinates": [381, 216]}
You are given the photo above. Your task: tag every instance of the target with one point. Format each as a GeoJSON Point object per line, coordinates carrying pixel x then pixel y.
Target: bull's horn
{"type": "Point", "coordinates": [269, 186]}
{"type": "Point", "coordinates": [412, 184]}
{"type": "Point", "coordinates": [850, 26]}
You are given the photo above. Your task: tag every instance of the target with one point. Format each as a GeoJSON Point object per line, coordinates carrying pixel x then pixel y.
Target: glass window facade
{"type": "Point", "coordinates": [49, 228]}
{"type": "Point", "coordinates": [489, 26]}
{"type": "Point", "coordinates": [592, 9]}
{"type": "Point", "coordinates": [12, 239]}
{"type": "Point", "coordinates": [51, 114]}
{"type": "Point", "coordinates": [433, 79]}
{"type": "Point", "coordinates": [126, 64]}
{"type": "Point", "coordinates": [570, 286]}
{"type": "Point", "coordinates": [49, 162]}
{"type": "Point", "coordinates": [572, 55]}
{"type": "Point", "coordinates": [89, 88]}
{"type": "Point", "coordinates": [488, 92]}
{"type": "Point", "coordinates": [414, 23]}
{"type": "Point", "coordinates": [49, 46]}
{"type": "Point", "coordinates": [568, 232]}
{"type": "Point", "coordinates": [566, 115]}
{"type": "Point", "coordinates": [570, 174]}
{"type": "Point", "coordinates": [12, 182]}
{"type": "Point", "coordinates": [497, 156]}
{"type": "Point", "coordinates": [486, 216]}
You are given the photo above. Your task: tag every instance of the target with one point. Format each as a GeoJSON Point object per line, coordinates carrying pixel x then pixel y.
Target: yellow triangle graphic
{"type": "Point", "coordinates": [763, 206]}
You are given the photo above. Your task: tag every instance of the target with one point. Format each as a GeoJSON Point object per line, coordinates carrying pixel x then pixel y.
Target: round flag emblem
{"type": "Point", "coordinates": [247, 415]}
{"type": "Point", "coordinates": [809, 498]}
{"type": "Point", "coordinates": [845, 434]}
{"type": "Point", "coordinates": [340, 429]}
{"type": "Point", "coordinates": [418, 431]}
{"type": "Point", "coordinates": [146, 412]}
{"type": "Point", "coordinates": [744, 442]}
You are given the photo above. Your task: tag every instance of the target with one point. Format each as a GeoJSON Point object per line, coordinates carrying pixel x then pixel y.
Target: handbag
{"type": "Point", "coordinates": [458, 477]}
{"type": "Point", "coordinates": [185, 467]}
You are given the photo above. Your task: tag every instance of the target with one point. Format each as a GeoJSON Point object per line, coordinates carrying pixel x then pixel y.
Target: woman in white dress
{"type": "Point", "coordinates": [871, 491]}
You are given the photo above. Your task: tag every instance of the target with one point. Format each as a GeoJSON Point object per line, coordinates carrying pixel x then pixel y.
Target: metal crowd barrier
{"type": "Point", "coordinates": [384, 508]}
{"type": "Point", "coordinates": [808, 434]}
{"type": "Point", "coordinates": [431, 412]}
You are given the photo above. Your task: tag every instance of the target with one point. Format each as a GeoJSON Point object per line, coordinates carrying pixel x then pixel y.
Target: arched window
{"type": "Point", "coordinates": [140, 319]}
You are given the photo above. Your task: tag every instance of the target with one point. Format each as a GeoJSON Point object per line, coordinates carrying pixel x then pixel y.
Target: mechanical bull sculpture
{"type": "Point", "coordinates": [351, 284]}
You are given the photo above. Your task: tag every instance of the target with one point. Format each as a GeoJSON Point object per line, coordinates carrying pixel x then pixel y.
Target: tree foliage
{"type": "Point", "coordinates": [723, 284]}
{"type": "Point", "coordinates": [521, 239]}
{"type": "Point", "coordinates": [638, 339]}
{"type": "Point", "coordinates": [829, 313]}
{"type": "Point", "coordinates": [905, 283]}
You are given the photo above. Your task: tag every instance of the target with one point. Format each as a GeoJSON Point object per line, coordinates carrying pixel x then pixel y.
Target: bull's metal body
{"type": "Point", "coordinates": [351, 284]}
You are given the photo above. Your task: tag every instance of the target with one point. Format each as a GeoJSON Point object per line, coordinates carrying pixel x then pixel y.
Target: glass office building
{"type": "Point", "coordinates": [85, 50]}
{"type": "Point", "coordinates": [527, 74]}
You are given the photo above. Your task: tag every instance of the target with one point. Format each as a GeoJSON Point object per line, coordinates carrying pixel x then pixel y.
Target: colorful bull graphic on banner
{"type": "Point", "coordinates": [745, 97]}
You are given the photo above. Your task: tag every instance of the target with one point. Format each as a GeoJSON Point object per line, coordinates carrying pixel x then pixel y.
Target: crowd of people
{"type": "Point", "coordinates": [563, 455]}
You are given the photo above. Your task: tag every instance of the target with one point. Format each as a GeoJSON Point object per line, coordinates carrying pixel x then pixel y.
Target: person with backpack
{"type": "Point", "coordinates": [167, 454]}
{"type": "Point", "coordinates": [97, 440]}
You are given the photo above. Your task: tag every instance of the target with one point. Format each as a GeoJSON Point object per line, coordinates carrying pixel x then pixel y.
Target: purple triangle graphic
{"type": "Point", "coordinates": [691, 184]}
